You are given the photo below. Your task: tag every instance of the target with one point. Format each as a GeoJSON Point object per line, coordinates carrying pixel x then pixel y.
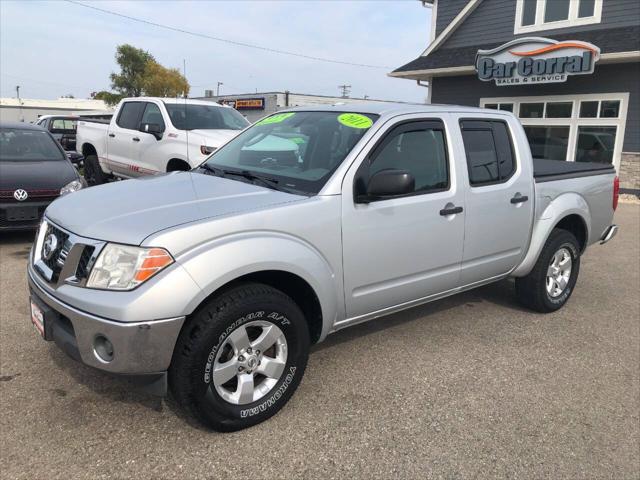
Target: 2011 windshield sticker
{"type": "Point", "coordinates": [355, 120]}
{"type": "Point", "coordinates": [280, 117]}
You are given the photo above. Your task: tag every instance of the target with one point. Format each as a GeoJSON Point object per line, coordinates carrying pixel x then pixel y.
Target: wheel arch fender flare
{"type": "Point", "coordinates": [217, 263]}
{"type": "Point", "coordinates": [565, 205]}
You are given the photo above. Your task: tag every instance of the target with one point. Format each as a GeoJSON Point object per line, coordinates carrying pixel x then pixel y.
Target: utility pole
{"type": "Point", "coordinates": [19, 103]}
{"type": "Point", "coordinates": [346, 89]}
{"type": "Point", "coordinates": [218, 89]}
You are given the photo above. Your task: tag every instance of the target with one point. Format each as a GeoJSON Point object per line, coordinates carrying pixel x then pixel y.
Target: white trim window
{"type": "Point", "coordinates": [575, 128]}
{"type": "Point", "coordinates": [537, 15]}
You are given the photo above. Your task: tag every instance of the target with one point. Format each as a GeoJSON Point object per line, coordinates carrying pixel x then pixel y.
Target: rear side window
{"type": "Point", "coordinates": [489, 151]}
{"type": "Point", "coordinates": [129, 116]}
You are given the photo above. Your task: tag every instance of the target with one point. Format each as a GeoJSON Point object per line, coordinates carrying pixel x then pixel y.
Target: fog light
{"type": "Point", "coordinates": [103, 348]}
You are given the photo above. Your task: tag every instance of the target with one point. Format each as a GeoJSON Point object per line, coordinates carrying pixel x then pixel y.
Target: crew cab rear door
{"type": "Point", "coordinates": [409, 247]}
{"type": "Point", "coordinates": [499, 195]}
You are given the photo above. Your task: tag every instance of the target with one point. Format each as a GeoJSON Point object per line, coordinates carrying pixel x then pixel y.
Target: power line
{"type": "Point", "coordinates": [224, 40]}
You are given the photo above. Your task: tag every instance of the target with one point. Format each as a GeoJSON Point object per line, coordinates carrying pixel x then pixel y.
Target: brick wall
{"type": "Point", "coordinates": [630, 171]}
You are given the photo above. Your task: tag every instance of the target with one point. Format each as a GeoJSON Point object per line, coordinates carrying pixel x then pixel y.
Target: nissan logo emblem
{"type": "Point", "coordinates": [20, 195]}
{"type": "Point", "coordinates": [50, 246]}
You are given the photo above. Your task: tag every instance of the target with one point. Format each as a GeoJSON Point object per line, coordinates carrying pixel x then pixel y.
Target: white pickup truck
{"type": "Point", "coordinates": [148, 136]}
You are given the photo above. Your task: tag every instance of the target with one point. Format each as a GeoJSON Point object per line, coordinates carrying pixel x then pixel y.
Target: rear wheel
{"type": "Point", "coordinates": [240, 358]}
{"type": "Point", "coordinates": [93, 173]}
{"type": "Point", "coordinates": [553, 278]}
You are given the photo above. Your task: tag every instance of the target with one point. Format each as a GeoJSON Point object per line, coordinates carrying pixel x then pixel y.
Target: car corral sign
{"type": "Point", "coordinates": [536, 60]}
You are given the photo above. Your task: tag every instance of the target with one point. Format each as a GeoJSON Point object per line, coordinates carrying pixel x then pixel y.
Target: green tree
{"type": "Point", "coordinates": [140, 74]}
{"type": "Point", "coordinates": [133, 62]}
{"type": "Point", "coordinates": [160, 81]}
{"type": "Point", "coordinates": [109, 98]}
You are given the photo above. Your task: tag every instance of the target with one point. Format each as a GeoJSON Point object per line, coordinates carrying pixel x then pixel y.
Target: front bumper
{"type": "Point", "coordinates": [138, 347]}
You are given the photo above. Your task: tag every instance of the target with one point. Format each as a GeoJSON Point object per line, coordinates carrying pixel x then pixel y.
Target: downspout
{"type": "Point", "coordinates": [426, 84]}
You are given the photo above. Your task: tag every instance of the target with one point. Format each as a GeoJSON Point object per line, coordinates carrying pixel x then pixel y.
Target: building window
{"type": "Point", "coordinates": [595, 144]}
{"type": "Point", "coordinates": [531, 110]}
{"type": "Point", "coordinates": [507, 107]}
{"type": "Point", "coordinates": [558, 110]}
{"type": "Point", "coordinates": [548, 143]}
{"type": "Point", "coordinates": [589, 109]}
{"type": "Point", "coordinates": [574, 128]}
{"type": "Point", "coordinates": [536, 15]}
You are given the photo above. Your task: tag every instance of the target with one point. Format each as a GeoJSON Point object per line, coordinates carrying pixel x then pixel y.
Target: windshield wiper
{"type": "Point", "coordinates": [223, 173]}
{"type": "Point", "coordinates": [266, 181]}
{"type": "Point", "coordinates": [218, 172]}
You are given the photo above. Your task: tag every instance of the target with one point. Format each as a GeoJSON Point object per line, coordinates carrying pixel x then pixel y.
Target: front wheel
{"type": "Point", "coordinates": [240, 358]}
{"type": "Point", "coordinates": [553, 278]}
{"type": "Point", "coordinates": [93, 173]}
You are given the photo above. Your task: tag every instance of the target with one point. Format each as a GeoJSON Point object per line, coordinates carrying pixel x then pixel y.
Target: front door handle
{"type": "Point", "coordinates": [519, 199]}
{"type": "Point", "coordinates": [135, 139]}
{"type": "Point", "coordinates": [112, 135]}
{"type": "Point", "coordinates": [450, 211]}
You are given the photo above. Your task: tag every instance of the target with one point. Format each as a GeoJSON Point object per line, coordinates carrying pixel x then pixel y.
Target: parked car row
{"type": "Point", "coordinates": [144, 136]}
{"type": "Point", "coordinates": [34, 171]}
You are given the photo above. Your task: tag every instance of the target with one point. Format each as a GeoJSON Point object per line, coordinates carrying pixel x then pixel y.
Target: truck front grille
{"type": "Point", "coordinates": [54, 259]}
{"type": "Point", "coordinates": [63, 257]}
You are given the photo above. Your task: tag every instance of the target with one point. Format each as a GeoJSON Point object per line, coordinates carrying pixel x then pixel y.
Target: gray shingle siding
{"type": "Point", "coordinates": [468, 90]}
{"type": "Point", "coordinates": [447, 11]}
{"type": "Point", "coordinates": [493, 21]}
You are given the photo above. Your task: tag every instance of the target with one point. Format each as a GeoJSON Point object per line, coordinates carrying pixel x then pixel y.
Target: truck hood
{"type": "Point", "coordinates": [129, 211]}
{"type": "Point", "coordinates": [212, 138]}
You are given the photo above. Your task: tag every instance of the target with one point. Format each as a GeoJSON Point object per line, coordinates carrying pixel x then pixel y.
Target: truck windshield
{"type": "Point", "coordinates": [18, 144]}
{"type": "Point", "coordinates": [205, 117]}
{"type": "Point", "coordinates": [299, 150]}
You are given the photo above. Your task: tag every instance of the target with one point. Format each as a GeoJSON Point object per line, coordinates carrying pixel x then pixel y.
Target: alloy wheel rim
{"type": "Point", "coordinates": [250, 362]}
{"type": "Point", "coordinates": [559, 272]}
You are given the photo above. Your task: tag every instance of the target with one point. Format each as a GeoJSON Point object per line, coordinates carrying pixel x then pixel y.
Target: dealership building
{"type": "Point", "coordinates": [569, 69]}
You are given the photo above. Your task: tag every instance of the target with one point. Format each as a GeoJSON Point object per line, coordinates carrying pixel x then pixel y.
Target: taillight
{"type": "Point", "coordinates": [616, 192]}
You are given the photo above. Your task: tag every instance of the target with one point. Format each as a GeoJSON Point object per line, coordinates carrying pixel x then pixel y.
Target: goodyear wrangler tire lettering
{"type": "Point", "coordinates": [206, 343]}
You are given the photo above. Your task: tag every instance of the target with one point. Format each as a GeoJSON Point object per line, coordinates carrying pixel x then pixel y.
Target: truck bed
{"type": "Point", "coordinates": [550, 170]}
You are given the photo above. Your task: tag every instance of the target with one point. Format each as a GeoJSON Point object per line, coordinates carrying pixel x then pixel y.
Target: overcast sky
{"type": "Point", "coordinates": [52, 48]}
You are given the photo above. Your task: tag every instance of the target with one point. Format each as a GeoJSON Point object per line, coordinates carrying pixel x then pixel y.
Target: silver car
{"type": "Point", "coordinates": [215, 282]}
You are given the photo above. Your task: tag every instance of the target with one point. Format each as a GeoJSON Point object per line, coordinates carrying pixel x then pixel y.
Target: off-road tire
{"type": "Point", "coordinates": [207, 330]}
{"type": "Point", "coordinates": [93, 173]}
{"type": "Point", "coordinates": [531, 291]}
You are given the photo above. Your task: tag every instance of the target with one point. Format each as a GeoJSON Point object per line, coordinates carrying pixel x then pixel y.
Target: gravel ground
{"type": "Point", "coordinates": [468, 387]}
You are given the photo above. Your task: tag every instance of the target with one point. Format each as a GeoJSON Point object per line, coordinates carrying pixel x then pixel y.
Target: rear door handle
{"type": "Point", "coordinates": [135, 139]}
{"type": "Point", "coordinates": [450, 211]}
{"type": "Point", "coordinates": [519, 199]}
{"type": "Point", "coordinates": [112, 135]}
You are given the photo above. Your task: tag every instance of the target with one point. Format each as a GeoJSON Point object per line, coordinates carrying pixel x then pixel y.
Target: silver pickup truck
{"type": "Point", "coordinates": [215, 282]}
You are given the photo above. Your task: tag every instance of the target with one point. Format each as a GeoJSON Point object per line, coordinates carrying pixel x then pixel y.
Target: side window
{"type": "Point", "coordinates": [152, 114]}
{"type": "Point", "coordinates": [418, 148]}
{"type": "Point", "coordinates": [489, 151]}
{"type": "Point", "coordinates": [129, 116]}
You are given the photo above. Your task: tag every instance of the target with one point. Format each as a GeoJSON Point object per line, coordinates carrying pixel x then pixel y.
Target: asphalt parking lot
{"type": "Point", "coordinates": [468, 387]}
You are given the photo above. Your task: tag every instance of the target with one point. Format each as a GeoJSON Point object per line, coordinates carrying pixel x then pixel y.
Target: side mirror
{"type": "Point", "coordinates": [388, 183]}
{"type": "Point", "coordinates": [152, 128]}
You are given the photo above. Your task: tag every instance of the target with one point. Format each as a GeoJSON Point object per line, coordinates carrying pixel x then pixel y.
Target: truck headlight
{"type": "Point", "coordinates": [71, 187]}
{"type": "Point", "coordinates": [123, 267]}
